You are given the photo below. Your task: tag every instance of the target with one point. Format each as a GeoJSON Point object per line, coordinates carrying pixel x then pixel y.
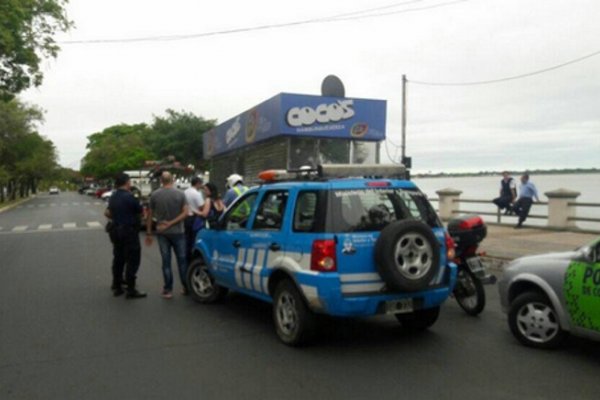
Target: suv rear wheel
{"type": "Point", "coordinates": [201, 284]}
{"type": "Point", "coordinates": [294, 322]}
{"type": "Point", "coordinates": [407, 255]}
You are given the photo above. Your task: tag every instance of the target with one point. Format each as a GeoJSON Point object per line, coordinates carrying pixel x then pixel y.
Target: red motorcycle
{"type": "Point", "coordinates": [468, 232]}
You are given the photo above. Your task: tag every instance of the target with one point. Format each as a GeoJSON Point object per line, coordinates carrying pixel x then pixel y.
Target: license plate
{"type": "Point", "coordinates": [401, 306]}
{"type": "Point", "coordinates": [475, 265]}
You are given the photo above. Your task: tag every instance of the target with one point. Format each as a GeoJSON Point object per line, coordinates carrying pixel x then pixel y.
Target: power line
{"type": "Point", "coordinates": [509, 78]}
{"type": "Point", "coordinates": [448, 3]}
{"type": "Point", "coordinates": [366, 13]}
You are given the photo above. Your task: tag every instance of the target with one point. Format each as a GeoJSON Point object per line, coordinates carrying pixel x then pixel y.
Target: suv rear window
{"type": "Point", "coordinates": [362, 210]}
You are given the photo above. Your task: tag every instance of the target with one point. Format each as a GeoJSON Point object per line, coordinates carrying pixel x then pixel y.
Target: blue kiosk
{"type": "Point", "coordinates": [294, 130]}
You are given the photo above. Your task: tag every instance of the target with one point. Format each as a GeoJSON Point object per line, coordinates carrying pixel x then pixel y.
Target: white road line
{"type": "Point", "coordinates": [19, 228]}
{"type": "Point", "coordinates": [75, 204]}
{"type": "Point", "coordinates": [69, 225]}
{"type": "Point", "coordinates": [94, 224]}
{"type": "Point", "coordinates": [52, 204]}
{"type": "Point", "coordinates": [87, 203]}
{"type": "Point", "coordinates": [97, 203]}
{"type": "Point", "coordinates": [64, 204]}
{"type": "Point", "coordinates": [42, 205]}
{"type": "Point", "coordinates": [44, 227]}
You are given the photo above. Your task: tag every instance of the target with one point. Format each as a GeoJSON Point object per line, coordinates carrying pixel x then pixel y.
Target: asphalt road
{"type": "Point", "coordinates": [63, 336]}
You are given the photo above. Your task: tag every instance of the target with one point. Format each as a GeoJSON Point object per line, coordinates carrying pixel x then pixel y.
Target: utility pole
{"type": "Point", "coordinates": [403, 118]}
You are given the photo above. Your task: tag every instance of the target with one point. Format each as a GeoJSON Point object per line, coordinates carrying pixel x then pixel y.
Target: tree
{"type": "Point", "coordinates": [25, 156]}
{"type": "Point", "coordinates": [27, 29]}
{"type": "Point", "coordinates": [180, 134]}
{"type": "Point", "coordinates": [115, 149]}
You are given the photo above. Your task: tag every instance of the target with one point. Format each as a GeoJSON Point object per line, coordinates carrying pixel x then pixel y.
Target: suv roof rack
{"type": "Point", "coordinates": [332, 171]}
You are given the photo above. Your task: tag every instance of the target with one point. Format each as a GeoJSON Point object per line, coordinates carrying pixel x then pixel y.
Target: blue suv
{"type": "Point", "coordinates": [314, 241]}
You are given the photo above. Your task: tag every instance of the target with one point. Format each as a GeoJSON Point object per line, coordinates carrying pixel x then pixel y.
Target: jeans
{"type": "Point", "coordinates": [126, 252]}
{"type": "Point", "coordinates": [175, 241]}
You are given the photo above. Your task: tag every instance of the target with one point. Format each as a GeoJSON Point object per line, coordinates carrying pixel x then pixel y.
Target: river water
{"type": "Point", "coordinates": [487, 187]}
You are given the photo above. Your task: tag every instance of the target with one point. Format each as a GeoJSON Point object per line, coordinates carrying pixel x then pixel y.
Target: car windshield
{"type": "Point", "coordinates": [373, 209]}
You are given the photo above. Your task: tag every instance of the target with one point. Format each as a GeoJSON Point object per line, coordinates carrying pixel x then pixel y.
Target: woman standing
{"type": "Point", "coordinates": [213, 206]}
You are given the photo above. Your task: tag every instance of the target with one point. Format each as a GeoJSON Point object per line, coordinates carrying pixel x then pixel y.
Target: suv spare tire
{"type": "Point", "coordinates": [407, 255]}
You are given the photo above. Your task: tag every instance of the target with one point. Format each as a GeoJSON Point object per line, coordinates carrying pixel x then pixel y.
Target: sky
{"type": "Point", "coordinates": [548, 120]}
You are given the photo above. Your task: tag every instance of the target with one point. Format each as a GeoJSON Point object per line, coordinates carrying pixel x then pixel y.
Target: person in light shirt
{"type": "Point", "coordinates": [195, 202]}
{"type": "Point", "coordinates": [527, 193]}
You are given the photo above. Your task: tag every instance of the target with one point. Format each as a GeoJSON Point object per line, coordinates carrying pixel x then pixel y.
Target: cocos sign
{"type": "Point", "coordinates": [323, 113]}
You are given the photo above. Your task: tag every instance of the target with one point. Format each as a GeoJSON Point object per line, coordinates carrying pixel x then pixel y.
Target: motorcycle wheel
{"type": "Point", "coordinates": [469, 292]}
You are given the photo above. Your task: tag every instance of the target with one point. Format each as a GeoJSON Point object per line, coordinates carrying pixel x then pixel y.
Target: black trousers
{"type": "Point", "coordinates": [503, 202]}
{"type": "Point", "coordinates": [126, 254]}
{"type": "Point", "coordinates": [190, 236]}
{"type": "Point", "coordinates": [522, 207]}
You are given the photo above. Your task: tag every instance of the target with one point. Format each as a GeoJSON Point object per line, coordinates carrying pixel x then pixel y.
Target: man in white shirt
{"type": "Point", "coordinates": [195, 201]}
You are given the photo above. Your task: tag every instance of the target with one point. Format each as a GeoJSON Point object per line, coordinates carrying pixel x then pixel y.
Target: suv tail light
{"type": "Point", "coordinates": [322, 257]}
{"type": "Point", "coordinates": [450, 246]}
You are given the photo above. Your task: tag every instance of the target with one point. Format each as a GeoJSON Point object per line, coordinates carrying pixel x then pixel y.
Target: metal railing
{"type": "Point", "coordinates": [593, 223]}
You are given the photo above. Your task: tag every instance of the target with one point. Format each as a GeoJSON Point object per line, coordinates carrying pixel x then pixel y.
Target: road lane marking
{"type": "Point", "coordinates": [69, 225]}
{"type": "Point", "coordinates": [19, 228]}
{"type": "Point", "coordinates": [64, 204]}
{"type": "Point", "coordinates": [94, 224]}
{"type": "Point", "coordinates": [97, 203]}
{"type": "Point", "coordinates": [45, 227]}
{"type": "Point", "coordinates": [87, 203]}
{"type": "Point", "coordinates": [75, 204]}
{"type": "Point", "coordinates": [53, 205]}
{"type": "Point", "coordinates": [42, 205]}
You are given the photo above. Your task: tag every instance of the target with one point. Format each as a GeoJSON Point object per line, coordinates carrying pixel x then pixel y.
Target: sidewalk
{"type": "Point", "coordinates": [505, 243]}
{"type": "Point", "coordinates": [6, 207]}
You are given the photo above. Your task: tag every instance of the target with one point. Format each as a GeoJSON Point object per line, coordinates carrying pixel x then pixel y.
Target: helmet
{"type": "Point", "coordinates": [233, 179]}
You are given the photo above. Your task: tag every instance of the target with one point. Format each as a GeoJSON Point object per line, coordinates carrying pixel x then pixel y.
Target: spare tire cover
{"type": "Point", "coordinates": [407, 255]}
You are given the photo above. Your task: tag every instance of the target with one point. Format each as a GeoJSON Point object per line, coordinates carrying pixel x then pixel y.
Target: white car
{"type": "Point", "coordinates": [106, 195]}
{"type": "Point", "coordinates": [53, 190]}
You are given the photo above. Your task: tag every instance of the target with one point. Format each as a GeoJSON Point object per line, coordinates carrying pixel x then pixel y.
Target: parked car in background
{"type": "Point", "coordinates": [101, 191]}
{"type": "Point", "coordinates": [548, 296]}
{"type": "Point", "coordinates": [106, 195]}
{"type": "Point", "coordinates": [53, 190]}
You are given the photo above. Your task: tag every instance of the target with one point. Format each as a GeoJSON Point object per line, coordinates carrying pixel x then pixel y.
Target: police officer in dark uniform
{"type": "Point", "coordinates": [125, 210]}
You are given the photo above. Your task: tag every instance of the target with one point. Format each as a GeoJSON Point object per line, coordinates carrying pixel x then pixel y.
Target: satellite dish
{"type": "Point", "coordinates": [332, 86]}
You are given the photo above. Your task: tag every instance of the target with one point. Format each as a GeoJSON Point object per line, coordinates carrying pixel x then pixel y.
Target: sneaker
{"type": "Point", "coordinates": [117, 291]}
{"type": "Point", "coordinates": [134, 294]}
{"type": "Point", "coordinates": [166, 294]}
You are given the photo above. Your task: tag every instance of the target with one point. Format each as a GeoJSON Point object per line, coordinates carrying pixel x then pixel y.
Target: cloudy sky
{"type": "Point", "coordinates": [549, 120]}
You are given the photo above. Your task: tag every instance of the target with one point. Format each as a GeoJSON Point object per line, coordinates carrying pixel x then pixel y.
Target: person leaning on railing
{"type": "Point", "coordinates": [527, 193]}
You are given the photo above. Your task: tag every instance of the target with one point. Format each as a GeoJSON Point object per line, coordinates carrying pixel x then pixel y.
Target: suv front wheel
{"type": "Point", "coordinates": [294, 322]}
{"type": "Point", "coordinates": [201, 284]}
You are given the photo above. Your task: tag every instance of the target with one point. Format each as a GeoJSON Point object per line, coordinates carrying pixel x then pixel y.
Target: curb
{"type": "Point", "coordinates": [6, 208]}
